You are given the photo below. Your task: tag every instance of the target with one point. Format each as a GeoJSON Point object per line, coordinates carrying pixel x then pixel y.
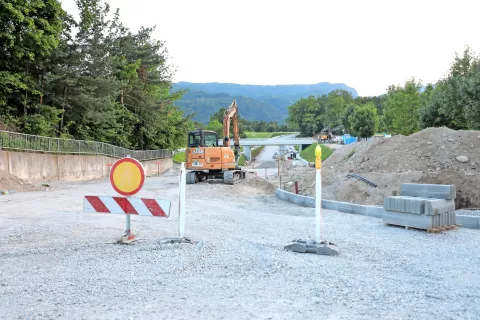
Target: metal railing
{"type": "Point", "coordinates": [27, 142]}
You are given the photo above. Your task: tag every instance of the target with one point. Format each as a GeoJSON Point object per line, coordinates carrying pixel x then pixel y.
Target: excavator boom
{"type": "Point", "coordinates": [231, 114]}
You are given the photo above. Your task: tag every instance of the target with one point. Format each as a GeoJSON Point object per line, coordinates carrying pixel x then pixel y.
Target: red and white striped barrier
{"type": "Point", "coordinates": [127, 175]}
{"type": "Point", "coordinates": [130, 205]}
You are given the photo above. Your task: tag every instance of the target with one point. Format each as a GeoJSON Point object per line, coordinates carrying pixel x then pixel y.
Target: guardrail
{"type": "Point", "coordinates": [26, 142]}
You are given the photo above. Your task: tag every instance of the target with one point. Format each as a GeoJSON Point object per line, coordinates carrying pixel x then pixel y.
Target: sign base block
{"type": "Point", "coordinates": [128, 239]}
{"type": "Point", "coordinates": [175, 240]}
{"type": "Point", "coordinates": [309, 246]}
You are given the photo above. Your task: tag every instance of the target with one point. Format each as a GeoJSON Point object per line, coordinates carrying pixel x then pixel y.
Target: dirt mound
{"type": "Point", "coordinates": [9, 182]}
{"type": "Point", "coordinates": [251, 186]}
{"type": "Point", "coordinates": [434, 155]}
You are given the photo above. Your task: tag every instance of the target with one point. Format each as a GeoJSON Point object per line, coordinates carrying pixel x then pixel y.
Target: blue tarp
{"type": "Point", "coordinates": [348, 139]}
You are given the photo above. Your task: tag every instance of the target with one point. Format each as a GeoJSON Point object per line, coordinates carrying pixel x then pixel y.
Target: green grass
{"type": "Point", "coordinates": [241, 160]}
{"type": "Point", "coordinates": [265, 134]}
{"type": "Point", "coordinates": [179, 157]}
{"type": "Point", "coordinates": [309, 153]}
{"type": "Point", "coordinates": [255, 153]}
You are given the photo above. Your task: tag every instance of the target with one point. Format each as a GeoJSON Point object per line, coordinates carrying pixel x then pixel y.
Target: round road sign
{"type": "Point", "coordinates": [127, 176]}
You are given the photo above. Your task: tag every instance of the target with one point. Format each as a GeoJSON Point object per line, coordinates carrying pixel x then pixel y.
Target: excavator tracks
{"type": "Point", "coordinates": [228, 177]}
{"type": "Point", "coordinates": [191, 177]}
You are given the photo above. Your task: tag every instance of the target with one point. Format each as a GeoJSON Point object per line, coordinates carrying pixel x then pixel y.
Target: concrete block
{"type": "Point", "coordinates": [438, 191]}
{"type": "Point", "coordinates": [296, 199]}
{"type": "Point", "coordinates": [331, 205]}
{"type": "Point", "coordinates": [408, 219]}
{"type": "Point", "coordinates": [470, 222]}
{"type": "Point", "coordinates": [281, 194]}
{"type": "Point", "coordinates": [310, 202]}
{"type": "Point", "coordinates": [376, 212]}
{"type": "Point", "coordinates": [359, 209]}
{"type": "Point", "coordinates": [345, 207]}
{"type": "Point", "coordinates": [405, 204]}
{"type": "Point", "coordinates": [438, 206]}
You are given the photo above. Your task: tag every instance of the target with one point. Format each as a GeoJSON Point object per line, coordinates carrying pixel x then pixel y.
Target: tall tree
{"type": "Point", "coordinates": [402, 108]}
{"type": "Point", "coordinates": [29, 31]}
{"type": "Point", "coordinates": [364, 120]}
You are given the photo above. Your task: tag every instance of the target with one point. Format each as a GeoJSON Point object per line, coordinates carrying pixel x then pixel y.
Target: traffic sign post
{"type": "Point", "coordinates": [127, 177]}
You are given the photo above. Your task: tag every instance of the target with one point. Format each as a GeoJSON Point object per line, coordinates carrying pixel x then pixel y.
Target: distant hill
{"type": "Point", "coordinates": [255, 102]}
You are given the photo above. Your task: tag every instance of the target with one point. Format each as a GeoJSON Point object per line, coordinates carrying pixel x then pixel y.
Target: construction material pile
{"type": "Point", "coordinates": [422, 206]}
{"type": "Point", "coordinates": [433, 155]}
{"type": "Point", "coordinates": [10, 183]}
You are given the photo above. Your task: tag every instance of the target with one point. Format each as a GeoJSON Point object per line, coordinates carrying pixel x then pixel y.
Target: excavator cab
{"type": "Point", "coordinates": [202, 138]}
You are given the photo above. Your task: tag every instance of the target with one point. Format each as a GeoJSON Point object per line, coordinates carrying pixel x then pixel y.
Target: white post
{"type": "Point", "coordinates": [181, 213]}
{"type": "Point", "coordinates": [318, 195]}
{"type": "Point", "coordinates": [318, 203]}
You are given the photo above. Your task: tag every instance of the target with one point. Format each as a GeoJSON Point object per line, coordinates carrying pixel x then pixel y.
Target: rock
{"type": "Point", "coordinates": [451, 139]}
{"type": "Point", "coordinates": [429, 143]}
{"type": "Point", "coordinates": [463, 159]}
{"type": "Point", "coordinates": [473, 164]}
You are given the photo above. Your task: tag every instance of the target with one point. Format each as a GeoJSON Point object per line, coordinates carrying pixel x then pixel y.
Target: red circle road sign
{"type": "Point", "coordinates": [127, 176]}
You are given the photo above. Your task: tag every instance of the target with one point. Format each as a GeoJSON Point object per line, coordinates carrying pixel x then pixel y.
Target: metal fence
{"type": "Point", "coordinates": [26, 142]}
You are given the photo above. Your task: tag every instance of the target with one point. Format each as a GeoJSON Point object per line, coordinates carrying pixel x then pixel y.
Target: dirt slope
{"type": "Point", "coordinates": [429, 156]}
{"type": "Point", "coordinates": [9, 182]}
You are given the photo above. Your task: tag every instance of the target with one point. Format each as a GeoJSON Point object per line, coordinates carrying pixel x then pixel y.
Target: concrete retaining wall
{"type": "Point", "coordinates": [471, 222]}
{"type": "Point", "coordinates": [32, 166]}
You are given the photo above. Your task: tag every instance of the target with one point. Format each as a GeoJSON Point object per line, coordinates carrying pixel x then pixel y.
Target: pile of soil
{"type": "Point", "coordinates": [434, 155]}
{"type": "Point", "coordinates": [251, 186]}
{"type": "Point", "coordinates": [9, 182]}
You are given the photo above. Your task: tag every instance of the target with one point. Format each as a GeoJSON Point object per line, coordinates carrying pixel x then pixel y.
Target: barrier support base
{"type": "Point", "coordinates": [127, 239]}
{"type": "Point", "coordinates": [175, 240]}
{"type": "Point", "coordinates": [309, 246]}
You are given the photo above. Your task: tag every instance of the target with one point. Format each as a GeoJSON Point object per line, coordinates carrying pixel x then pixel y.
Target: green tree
{"type": "Point", "coordinates": [216, 126]}
{"type": "Point", "coordinates": [402, 108]}
{"type": "Point", "coordinates": [365, 120]}
{"type": "Point", "coordinates": [29, 31]}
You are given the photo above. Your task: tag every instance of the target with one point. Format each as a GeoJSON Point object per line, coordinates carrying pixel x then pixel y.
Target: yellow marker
{"type": "Point", "coordinates": [318, 157]}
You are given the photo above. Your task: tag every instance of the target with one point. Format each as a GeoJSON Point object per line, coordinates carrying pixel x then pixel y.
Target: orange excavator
{"type": "Point", "coordinates": [206, 160]}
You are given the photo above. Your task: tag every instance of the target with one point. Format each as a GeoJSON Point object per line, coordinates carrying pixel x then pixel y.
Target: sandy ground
{"type": "Point", "coordinates": [59, 263]}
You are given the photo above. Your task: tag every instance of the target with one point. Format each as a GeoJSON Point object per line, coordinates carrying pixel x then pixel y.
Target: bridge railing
{"type": "Point", "coordinates": [26, 142]}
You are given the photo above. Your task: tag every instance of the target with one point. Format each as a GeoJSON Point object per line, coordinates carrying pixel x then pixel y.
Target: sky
{"type": "Point", "coordinates": [366, 44]}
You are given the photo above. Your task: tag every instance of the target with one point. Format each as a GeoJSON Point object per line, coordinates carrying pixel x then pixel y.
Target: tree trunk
{"type": "Point", "coordinates": [121, 97]}
{"type": "Point", "coordinates": [63, 107]}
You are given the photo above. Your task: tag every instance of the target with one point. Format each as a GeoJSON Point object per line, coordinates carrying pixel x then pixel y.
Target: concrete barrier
{"type": "Point", "coordinates": [32, 166]}
{"type": "Point", "coordinates": [471, 222]}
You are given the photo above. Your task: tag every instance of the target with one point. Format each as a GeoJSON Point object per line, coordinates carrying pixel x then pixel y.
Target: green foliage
{"type": "Point", "coordinates": [102, 82]}
{"type": "Point", "coordinates": [241, 160]}
{"type": "Point", "coordinates": [364, 121]}
{"type": "Point", "coordinates": [256, 151]}
{"type": "Point", "coordinates": [314, 114]}
{"type": "Point", "coordinates": [402, 108]}
{"type": "Point", "coordinates": [309, 152]}
{"type": "Point", "coordinates": [179, 157]}
{"type": "Point", "coordinates": [216, 126]}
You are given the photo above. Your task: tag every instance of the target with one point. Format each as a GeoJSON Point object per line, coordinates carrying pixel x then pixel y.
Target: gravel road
{"type": "Point", "coordinates": [58, 263]}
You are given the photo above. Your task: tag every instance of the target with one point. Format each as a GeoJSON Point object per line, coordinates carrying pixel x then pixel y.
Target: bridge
{"type": "Point", "coordinates": [282, 141]}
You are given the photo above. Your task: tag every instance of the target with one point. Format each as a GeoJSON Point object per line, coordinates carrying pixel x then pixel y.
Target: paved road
{"type": "Point", "coordinates": [269, 151]}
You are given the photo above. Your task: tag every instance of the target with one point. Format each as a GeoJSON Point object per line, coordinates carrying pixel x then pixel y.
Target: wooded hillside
{"type": "Point", "coordinates": [89, 79]}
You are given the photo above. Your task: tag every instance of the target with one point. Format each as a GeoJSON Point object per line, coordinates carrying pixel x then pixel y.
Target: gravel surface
{"type": "Point", "coordinates": [58, 263]}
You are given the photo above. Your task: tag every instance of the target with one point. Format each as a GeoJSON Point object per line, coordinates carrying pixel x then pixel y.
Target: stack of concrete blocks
{"type": "Point", "coordinates": [422, 206]}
